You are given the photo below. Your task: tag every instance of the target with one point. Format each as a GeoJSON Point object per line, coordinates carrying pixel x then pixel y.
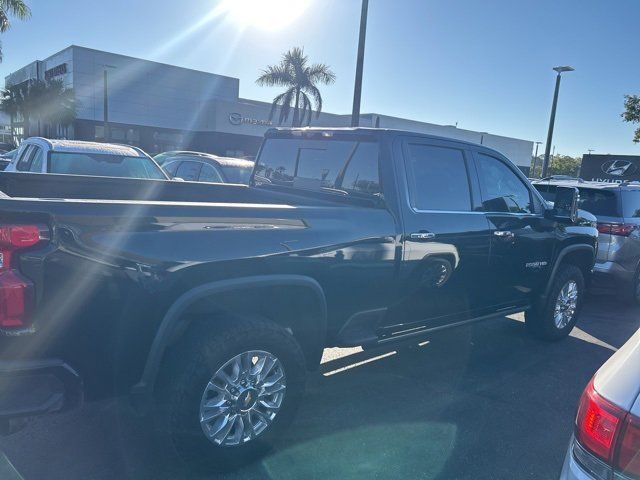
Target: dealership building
{"type": "Point", "coordinates": [161, 107]}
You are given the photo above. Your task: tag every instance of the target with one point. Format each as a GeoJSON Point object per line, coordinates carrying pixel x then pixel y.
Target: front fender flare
{"type": "Point", "coordinates": [563, 253]}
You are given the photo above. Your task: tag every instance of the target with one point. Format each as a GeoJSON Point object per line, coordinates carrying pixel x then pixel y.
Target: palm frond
{"type": "Point", "coordinates": [277, 101]}
{"type": "Point", "coordinates": [285, 106]}
{"type": "Point", "coordinates": [17, 8]}
{"type": "Point", "coordinates": [317, 98]}
{"type": "Point", "coordinates": [320, 73]}
{"type": "Point", "coordinates": [307, 110]}
{"type": "Point", "coordinates": [275, 75]}
{"type": "Point", "coordinates": [4, 21]}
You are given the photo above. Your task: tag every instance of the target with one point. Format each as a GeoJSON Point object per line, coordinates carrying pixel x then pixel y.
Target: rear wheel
{"type": "Point", "coordinates": [630, 293]}
{"type": "Point", "coordinates": [556, 318]}
{"type": "Point", "coordinates": [230, 391]}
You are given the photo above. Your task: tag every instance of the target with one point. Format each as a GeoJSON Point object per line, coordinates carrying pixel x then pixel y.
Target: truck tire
{"type": "Point", "coordinates": [556, 317]}
{"type": "Point", "coordinates": [229, 390]}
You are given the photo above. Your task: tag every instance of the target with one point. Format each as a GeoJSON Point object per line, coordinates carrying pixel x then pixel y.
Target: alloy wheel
{"type": "Point", "coordinates": [242, 398]}
{"type": "Point", "coordinates": [566, 304]}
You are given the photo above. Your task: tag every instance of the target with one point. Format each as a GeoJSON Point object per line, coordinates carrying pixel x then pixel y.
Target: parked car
{"type": "Point", "coordinates": [72, 157]}
{"type": "Point", "coordinates": [10, 154]}
{"type": "Point", "coordinates": [205, 167]}
{"type": "Point", "coordinates": [606, 441]}
{"type": "Point", "coordinates": [617, 208]}
{"type": "Point", "coordinates": [209, 303]}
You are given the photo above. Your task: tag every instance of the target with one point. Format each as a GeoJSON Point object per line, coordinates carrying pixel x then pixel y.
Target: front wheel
{"type": "Point", "coordinates": [231, 390]}
{"type": "Point", "coordinates": [555, 319]}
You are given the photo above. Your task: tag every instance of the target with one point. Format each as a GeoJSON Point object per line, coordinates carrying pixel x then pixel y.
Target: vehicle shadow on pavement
{"type": "Point", "coordinates": [481, 402]}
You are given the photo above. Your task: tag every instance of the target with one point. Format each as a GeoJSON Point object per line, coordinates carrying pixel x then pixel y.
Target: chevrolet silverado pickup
{"type": "Point", "coordinates": [208, 304]}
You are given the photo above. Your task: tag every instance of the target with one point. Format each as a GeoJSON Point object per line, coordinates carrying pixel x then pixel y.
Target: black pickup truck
{"type": "Point", "coordinates": [209, 303]}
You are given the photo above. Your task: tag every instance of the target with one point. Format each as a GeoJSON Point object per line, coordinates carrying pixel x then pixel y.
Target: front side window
{"type": "Point", "coordinates": [170, 167]}
{"type": "Point", "coordinates": [438, 178]}
{"type": "Point", "coordinates": [502, 190]}
{"type": "Point", "coordinates": [189, 171]}
{"type": "Point", "coordinates": [104, 165]}
{"type": "Point", "coordinates": [37, 157]}
{"type": "Point", "coordinates": [210, 174]}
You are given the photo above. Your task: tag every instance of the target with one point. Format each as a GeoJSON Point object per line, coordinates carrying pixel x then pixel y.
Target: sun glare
{"type": "Point", "coordinates": [264, 14]}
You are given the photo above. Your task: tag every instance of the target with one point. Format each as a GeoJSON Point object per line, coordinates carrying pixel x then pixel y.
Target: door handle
{"type": "Point", "coordinates": [422, 236]}
{"type": "Point", "coordinates": [504, 234]}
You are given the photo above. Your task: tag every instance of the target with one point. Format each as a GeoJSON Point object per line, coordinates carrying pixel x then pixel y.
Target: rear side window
{"type": "Point", "coordinates": [25, 159]}
{"type": "Point", "coordinates": [599, 202]}
{"type": "Point", "coordinates": [348, 166]}
{"type": "Point", "coordinates": [438, 178]}
{"type": "Point", "coordinates": [631, 204]}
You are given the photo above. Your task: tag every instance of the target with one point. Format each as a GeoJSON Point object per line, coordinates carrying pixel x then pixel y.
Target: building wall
{"type": "Point", "coordinates": [146, 93]}
{"type": "Point", "coordinates": [157, 106]}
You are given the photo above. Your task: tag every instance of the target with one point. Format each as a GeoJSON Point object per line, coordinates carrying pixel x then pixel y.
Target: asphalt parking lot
{"type": "Point", "coordinates": [484, 402]}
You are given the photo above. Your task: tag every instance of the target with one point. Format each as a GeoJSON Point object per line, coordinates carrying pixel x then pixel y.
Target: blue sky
{"type": "Point", "coordinates": [484, 64]}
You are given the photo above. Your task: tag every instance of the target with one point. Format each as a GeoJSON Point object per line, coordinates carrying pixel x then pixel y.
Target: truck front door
{"type": "Point", "coordinates": [522, 240]}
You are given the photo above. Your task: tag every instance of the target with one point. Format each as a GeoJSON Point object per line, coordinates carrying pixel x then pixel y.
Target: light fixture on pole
{"type": "Point", "coordinates": [552, 120]}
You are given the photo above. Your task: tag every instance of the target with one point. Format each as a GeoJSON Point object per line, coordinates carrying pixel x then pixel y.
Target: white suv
{"type": "Point", "coordinates": [73, 157]}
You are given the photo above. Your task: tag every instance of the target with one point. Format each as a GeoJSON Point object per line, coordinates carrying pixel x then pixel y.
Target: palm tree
{"type": "Point", "coordinates": [16, 8]}
{"type": "Point", "coordinates": [300, 80]}
{"type": "Point", "coordinates": [48, 103]}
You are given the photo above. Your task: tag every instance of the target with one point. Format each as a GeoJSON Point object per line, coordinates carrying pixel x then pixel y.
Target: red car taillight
{"type": "Point", "coordinates": [608, 432]}
{"type": "Point", "coordinates": [627, 459]}
{"type": "Point", "coordinates": [622, 229]}
{"type": "Point", "coordinates": [16, 292]}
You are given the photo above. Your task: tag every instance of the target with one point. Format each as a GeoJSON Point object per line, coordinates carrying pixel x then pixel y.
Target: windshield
{"type": "Point", "coordinates": [104, 165]}
{"type": "Point", "coordinates": [599, 202]}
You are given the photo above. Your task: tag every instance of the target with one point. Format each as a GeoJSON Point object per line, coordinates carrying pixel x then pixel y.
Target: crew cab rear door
{"type": "Point", "coordinates": [445, 242]}
{"type": "Point", "coordinates": [522, 240]}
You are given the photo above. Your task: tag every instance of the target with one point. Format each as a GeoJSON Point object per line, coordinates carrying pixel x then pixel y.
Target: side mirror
{"type": "Point", "coordinates": [177, 179]}
{"type": "Point", "coordinates": [565, 206]}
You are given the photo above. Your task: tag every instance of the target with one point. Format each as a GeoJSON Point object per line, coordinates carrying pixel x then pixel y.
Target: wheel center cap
{"type": "Point", "coordinates": [247, 399]}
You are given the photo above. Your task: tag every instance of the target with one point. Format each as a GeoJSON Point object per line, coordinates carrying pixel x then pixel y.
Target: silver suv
{"type": "Point", "coordinates": [617, 208]}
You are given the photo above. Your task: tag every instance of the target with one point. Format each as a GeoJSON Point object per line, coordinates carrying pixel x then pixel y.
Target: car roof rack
{"type": "Point", "coordinates": [563, 177]}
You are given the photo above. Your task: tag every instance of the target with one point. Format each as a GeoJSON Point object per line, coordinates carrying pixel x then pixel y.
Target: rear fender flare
{"type": "Point", "coordinates": [174, 322]}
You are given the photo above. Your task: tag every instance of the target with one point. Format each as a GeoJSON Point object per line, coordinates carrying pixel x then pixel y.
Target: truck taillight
{"type": "Point", "coordinates": [16, 292]}
{"type": "Point", "coordinates": [609, 433]}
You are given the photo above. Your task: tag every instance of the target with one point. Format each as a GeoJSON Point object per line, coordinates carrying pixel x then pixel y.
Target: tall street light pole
{"type": "Point", "coordinates": [357, 90]}
{"type": "Point", "coordinates": [535, 156]}
{"type": "Point", "coordinates": [552, 120]}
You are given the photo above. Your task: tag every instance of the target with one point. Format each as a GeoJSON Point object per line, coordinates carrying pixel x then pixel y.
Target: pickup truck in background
{"type": "Point", "coordinates": [209, 303]}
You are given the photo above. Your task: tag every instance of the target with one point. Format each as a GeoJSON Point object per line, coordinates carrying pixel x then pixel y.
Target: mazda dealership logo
{"type": "Point", "coordinates": [237, 119]}
{"type": "Point", "coordinates": [618, 168]}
